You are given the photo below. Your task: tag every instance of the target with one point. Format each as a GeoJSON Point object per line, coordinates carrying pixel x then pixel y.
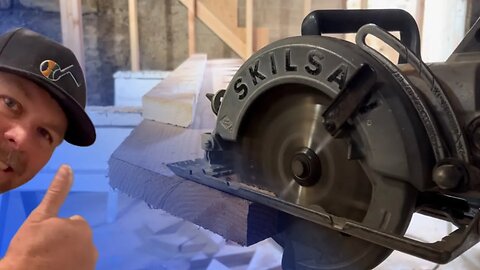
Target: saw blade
{"type": "Point", "coordinates": [286, 150]}
{"type": "Point", "coordinates": [290, 154]}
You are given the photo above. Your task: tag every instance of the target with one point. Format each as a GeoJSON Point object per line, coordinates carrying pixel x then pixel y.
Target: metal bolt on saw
{"type": "Point", "coordinates": [348, 144]}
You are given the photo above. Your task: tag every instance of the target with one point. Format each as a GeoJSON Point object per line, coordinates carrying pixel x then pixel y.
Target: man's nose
{"type": "Point", "coordinates": [16, 135]}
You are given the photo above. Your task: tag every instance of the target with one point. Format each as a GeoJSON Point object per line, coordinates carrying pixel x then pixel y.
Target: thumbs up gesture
{"type": "Point", "coordinates": [45, 241]}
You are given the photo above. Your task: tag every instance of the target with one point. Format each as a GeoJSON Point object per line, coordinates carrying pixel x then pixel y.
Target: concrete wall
{"type": "Point", "coordinates": [162, 31]}
{"type": "Point", "coordinates": [162, 27]}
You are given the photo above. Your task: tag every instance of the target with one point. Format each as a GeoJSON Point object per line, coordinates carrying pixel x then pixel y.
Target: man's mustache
{"type": "Point", "coordinates": [13, 158]}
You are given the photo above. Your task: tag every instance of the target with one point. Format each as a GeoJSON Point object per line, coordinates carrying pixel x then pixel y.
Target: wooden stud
{"type": "Point", "coordinates": [261, 38]}
{"type": "Point", "coordinates": [226, 34]}
{"type": "Point", "coordinates": [134, 42]}
{"type": "Point", "coordinates": [249, 26]}
{"type": "Point", "coordinates": [192, 7]}
{"type": "Point", "coordinates": [419, 14]}
{"type": "Point", "coordinates": [364, 4]}
{"type": "Point", "coordinates": [218, 27]}
{"type": "Point", "coordinates": [72, 28]}
{"type": "Point", "coordinates": [227, 12]}
{"type": "Point", "coordinates": [307, 7]}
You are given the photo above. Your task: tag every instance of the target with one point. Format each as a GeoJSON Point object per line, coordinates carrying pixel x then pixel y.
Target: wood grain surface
{"type": "Point", "coordinates": [138, 168]}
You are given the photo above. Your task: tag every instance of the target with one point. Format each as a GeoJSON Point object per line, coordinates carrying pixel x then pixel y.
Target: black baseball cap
{"type": "Point", "coordinates": [56, 69]}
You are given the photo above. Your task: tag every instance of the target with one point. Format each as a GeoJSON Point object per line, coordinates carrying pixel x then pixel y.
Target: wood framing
{"type": "Point", "coordinates": [221, 18]}
{"type": "Point", "coordinates": [249, 28]}
{"type": "Point", "coordinates": [217, 26]}
{"type": "Point", "coordinates": [363, 4]}
{"type": "Point", "coordinates": [72, 28]}
{"type": "Point", "coordinates": [307, 7]}
{"type": "Point", "coordinates": [226, 11]}
{"type": "Point", "coordinates": [192, 7]}
{"type": "Point", "coordinates": [134, 39]}
{"type": "Point", "coordinates": [419, 14]}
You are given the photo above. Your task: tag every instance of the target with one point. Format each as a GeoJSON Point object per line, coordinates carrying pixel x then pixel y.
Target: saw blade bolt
{"type": "Point", "coordinates": [306, 167]}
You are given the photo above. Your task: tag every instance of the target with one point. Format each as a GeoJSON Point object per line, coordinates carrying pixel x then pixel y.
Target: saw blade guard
{"type": "Point", "coordinates": [393, 140]}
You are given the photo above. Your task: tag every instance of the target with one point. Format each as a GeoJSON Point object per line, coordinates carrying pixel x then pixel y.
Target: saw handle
{"type": "Point", "coordinates": [343, 21]}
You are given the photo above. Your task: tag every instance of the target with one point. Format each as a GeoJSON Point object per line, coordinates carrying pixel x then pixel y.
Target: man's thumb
{"type": "Point", "coordinates": [55, 196]}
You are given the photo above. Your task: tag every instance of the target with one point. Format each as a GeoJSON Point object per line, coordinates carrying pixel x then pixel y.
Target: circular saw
{"type": "Point", "coordinates": [347, 144]}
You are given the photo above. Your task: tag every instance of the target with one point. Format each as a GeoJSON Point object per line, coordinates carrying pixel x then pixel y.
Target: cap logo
{"type": "Point", "coordinates": [52, 71]}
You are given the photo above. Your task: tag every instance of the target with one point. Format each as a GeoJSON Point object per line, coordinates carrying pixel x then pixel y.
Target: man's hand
{"type": "Point", "coordinates": [45, 241]}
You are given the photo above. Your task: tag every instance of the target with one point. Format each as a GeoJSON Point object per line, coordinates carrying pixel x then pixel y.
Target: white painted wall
{"type": "Point", "coordinates": [443, 28]}
{"type": "Point", "coordinates": [443, 23]}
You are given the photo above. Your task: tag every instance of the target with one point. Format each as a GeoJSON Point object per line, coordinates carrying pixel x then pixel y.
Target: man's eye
{"type": "Point", "coordinates": [11, 103]}
{"type": "Point", "coordinates": [45, 134]}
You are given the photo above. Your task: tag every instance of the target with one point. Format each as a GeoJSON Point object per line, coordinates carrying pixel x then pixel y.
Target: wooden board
{"type": "Point", "coordinates": [138, 168]}
{"type": "Point", "coordinates": [173, 101]}
{"type": "Point", "coordinates": [221, 72]}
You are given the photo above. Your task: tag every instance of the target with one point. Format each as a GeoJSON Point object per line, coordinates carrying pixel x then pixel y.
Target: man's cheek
{"type": "Point", "coordinates": [13, 182]}
{"type": "Point", "coordinates": [7, 184]}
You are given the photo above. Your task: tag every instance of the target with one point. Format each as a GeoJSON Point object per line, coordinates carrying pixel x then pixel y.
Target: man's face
{"type": "Point", "coordinates": [32, 125]}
